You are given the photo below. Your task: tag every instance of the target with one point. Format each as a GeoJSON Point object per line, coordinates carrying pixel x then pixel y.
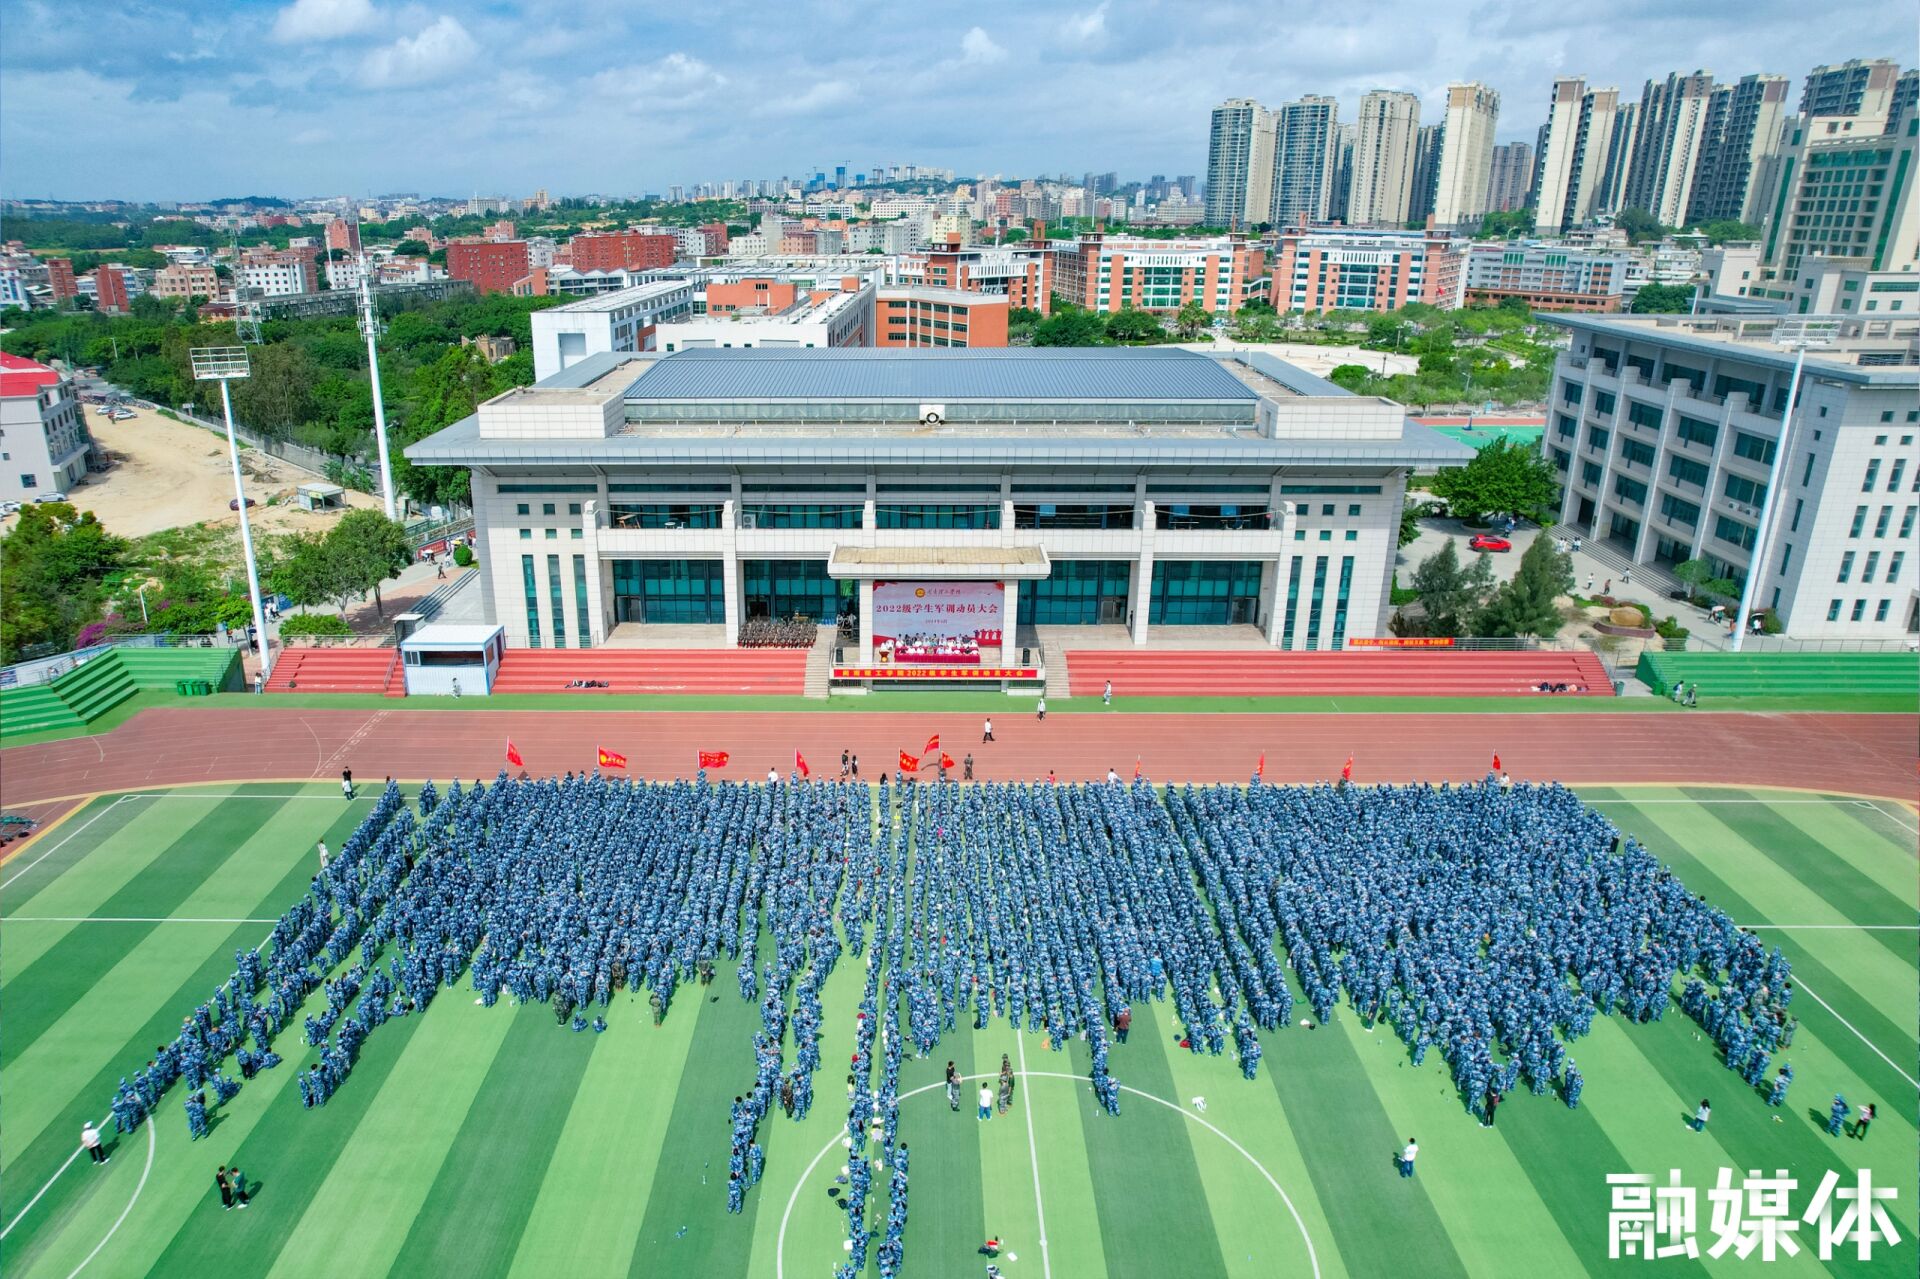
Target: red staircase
{"type": "Point", "coordinates": [396, 685]}
{"type": "Point", "coordinates": [333, 670]}
{"type": "Point", "coordinates": [654, 670]}
{"type": "Point", "coordinates": [1193, 673]}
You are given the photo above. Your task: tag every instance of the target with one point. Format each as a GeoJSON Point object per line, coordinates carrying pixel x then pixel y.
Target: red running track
{"type": "Point", "coordinates": [1859, 754]}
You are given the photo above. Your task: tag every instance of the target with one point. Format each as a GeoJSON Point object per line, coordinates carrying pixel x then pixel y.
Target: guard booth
{"type": "Point", "coordinates": [452, 661]}
{"type": "Point", "coordinates": [321, 497]}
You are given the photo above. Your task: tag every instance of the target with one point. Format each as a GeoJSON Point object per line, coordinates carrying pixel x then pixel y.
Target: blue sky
{"type": "Point", "coordinates": [182, 99]}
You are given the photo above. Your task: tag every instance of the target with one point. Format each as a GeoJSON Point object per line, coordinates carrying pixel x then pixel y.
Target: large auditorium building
{"type": "Point", "coordinates": [937, 500]}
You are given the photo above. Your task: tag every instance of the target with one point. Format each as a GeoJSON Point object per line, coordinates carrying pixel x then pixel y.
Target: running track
{"type": "Point", "coordinates": [1857, 754]}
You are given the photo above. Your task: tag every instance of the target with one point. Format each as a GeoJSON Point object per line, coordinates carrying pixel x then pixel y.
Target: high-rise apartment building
{"type": "Point", "coordinates": [1305, 142]}
{"type": "Point", "coordinates": [1577, 141]}
{"type": "Point", "coordinates": [1385, 136]}
{"type": "Point", "coordinates": [1240, 164]}
{"type": "Point", "coordinates": [1858, 86]}
{"type": "Point", "coordinates": [1666, 154]}
{"type": "Point", "coordinates": [1466, 154]}
{"type": "Point", "coordinates": [60, 280]}
{"type": "Point", "coordinates": [112, 293]}
{"type": "Point", "coordinates": [1340, 194]}
{"type": "Point", "coordinates": [1511, 178]}
{"type": "Point", "coordinates": [1617, 164]}
{"type": "Point", "coordinates": [1743, 123]}
{"type": "Point", "coordinates": [1906, 97]}
{"type": "Point", "coordinates": [1841, 196]}
{"type": "Point", "coordinates": [1426, 171]}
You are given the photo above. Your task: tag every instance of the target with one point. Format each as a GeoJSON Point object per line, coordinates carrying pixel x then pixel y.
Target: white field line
{"type": "Point", "coordinates": [152, 1141]}
{"type": "Point", "coordinates": [1801, 982]}
{"type": "Point", "coordinates": [1033, 1155]}
{"type": "Point", "coordinates": [128, 919]}
{"type": "Point", "coordinates": [63, 843]}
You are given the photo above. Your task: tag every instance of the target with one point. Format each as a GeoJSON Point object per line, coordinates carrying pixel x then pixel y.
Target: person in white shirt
{"type": "Point", "coordinates": [323, 854]}
{"type": "Point", "coordinates": [90, 1138]}
{"type": "Point", "coordinates": [773, 776]}
{"type": "Point", "coordinates": [1407, 1153]}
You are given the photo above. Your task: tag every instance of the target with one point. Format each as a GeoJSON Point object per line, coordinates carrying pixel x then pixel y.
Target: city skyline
{"type": "Point", "coordinates": [354, 97]}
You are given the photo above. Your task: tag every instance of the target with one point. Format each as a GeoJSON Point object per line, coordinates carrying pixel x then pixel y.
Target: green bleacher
{"type": "Point", "coordinates": [88, 691]}
{"type": "Point", "coordinates": [1782, 674]}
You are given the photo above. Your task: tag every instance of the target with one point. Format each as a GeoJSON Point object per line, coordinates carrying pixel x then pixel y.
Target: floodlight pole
{"type": "Point", "coordinates": [370, 325]}
{"type": "Point", "coordinates": [246, 539]}
{"type": "Point", "coordinates": [1802, 338]}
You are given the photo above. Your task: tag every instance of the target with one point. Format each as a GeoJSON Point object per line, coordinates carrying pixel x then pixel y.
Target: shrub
{"type": "Point", "coordinates": [1669, 628]}
{"type": "Point", "coordinates": [315, 624]}
{"type": "Point", "coordinates": [462, 554]}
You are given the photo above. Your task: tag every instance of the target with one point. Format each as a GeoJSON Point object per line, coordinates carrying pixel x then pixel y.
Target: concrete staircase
{"type": "Point", "coordinates": [819, 681]}
{"type": "Point", "coordinates": [1053, 658]}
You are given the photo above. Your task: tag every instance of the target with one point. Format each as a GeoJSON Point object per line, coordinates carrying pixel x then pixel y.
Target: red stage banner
{"type": "Point", "coordinates": [936, 672]}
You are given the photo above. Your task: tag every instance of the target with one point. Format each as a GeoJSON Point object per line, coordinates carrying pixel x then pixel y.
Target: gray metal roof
{"type": "Point", "coordinates": [1761, 354]}
{"type": "Point", "coordinates": [460, 444]}
{"type": "Point", "coordinates": [920, 376]}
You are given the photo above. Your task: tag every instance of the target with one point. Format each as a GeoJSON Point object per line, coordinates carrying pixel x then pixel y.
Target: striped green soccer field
{"type": "Point", "coordinates": [489, 1142]}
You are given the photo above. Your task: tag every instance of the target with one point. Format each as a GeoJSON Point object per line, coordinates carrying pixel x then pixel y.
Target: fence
{"type": "Point", "coordinates": [1787, 644]}
{"type": "Point", "coordinates": [307, 459]}
{"type": "Point", "coordinates": [43, 670]}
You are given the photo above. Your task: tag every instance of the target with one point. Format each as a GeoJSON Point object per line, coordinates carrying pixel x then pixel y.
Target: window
{"type": "Point", "coordinates": [29, 481]}
{"type": "Point", "coordinates": [670, 590]}
{"type": "Point", "coordinates": [1313, 607]}
{"type": "Point", "coordinates": [1894, 476]}
{"type": "Point", "coordinates": [1678, 511]}
{"type": "Point", "coordinates": [557, 600]}
{"type": "Point", "coordinates": [553, 535]}
{"type": "Point", "coordinates": [1688, 471]}
{"type": "Point", "coordinates": [1326, 535]}
{"type": "Point", "coordinates": [1340, 602]}
{"type": "Point", "coordinates": [938, 516]}
{"type": "Point", "coordinates": [573, 508]}
{"type": "Point", "coordinates": [1604, 402]}
{"type": "Point", "coordinates": [1590, 473]}
{"type": "Point", "coordinates": [1859, 611]}
{"type": "Point", "coordinates": [1806, 476]}
{"type": "Point", "coordinates": [1351, 535]}
{"type": "Point", "coordinates": [1880, 525]}
{"type": "Point", "coordinates": [1880, 612]}
{"type": "Point", "coordinates": [1733, 531]}
{"type": "Point", "coordinates": [1643, 414]}
{"type": "Point", "coordinates": [1077, 592]}
{"type": "Point", "coordinates": [1597, 438]}
{"type": "Point", "coordinates": [546, 508]}
{"type": "Point", "coordinates": [532, 588]}
{"type": "Point", "coordinates": [1894, 563]}
{"type": "Point", "coordinates": [1630, 489]}
{"type": "Point", "coordinates": [521, 508]}
{"type": "Point", "coordinates": [526, 535]}
{"type": "Point", "coordinates": [1833, 611]}
{"type": "Point", "coordinates": [1871, 567]}
{"type": "Point", "coordinates": [1204, 592]}
{"type": "Point", "coordinates": [1873, 474]}
{"type": "Point", "coordinates": [580, 599]}
{"type": "Point", "coordinates": [1564, 425]}
{"type": "Point", "coordinates": [1353, 511]}
{"type": "Point", "coordinates": [1906, 523]}
{"type": "Point", "coordinates": [1694, 431]}
{"type": "Point", "coordinates": [1743, 490]}
{"type": "Point", "coordinates": [1859, 521]}
{"type": "Point", "coordinates": [1326, 509]}
{"type": "Point", "coordinates": [1754, 447]}
{"type": "Point", "coordinates": [1637, 453]}
{"type": "Point", "coordinates": [1846, 567]}
{"type": "Point", "coordinates": [1799, 504]}
{"type": "Point", "coordinates": [1786, 558]}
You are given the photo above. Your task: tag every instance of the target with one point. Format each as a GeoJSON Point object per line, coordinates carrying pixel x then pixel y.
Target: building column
{"type": "Point", "coordinates": [730, 584]}
{"type": "Point", "coordinates": [869, 522]}
{"type": "Point", "coordinates": [1006, 522]}
{"type": "Point", "coordinates": [1010, 624]}
{"type": "Point", "coordinates": [866, 616]}
{"type": "Point", "coordinates": [483, 513]}
{"type": "Point", "coordinates": [1140, 597]}
{"type": "Point", "coordinates": [596, 585]}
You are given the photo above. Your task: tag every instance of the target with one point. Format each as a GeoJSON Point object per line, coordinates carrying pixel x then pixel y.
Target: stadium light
{"type": "Point", "coordinates": [1800, 332]}
{"type": "Point", "coordinates": [370, 327]}
{"type": "Point", "coordinates": [224, 364]}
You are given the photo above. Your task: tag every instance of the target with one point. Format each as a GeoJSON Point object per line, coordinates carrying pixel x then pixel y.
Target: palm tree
{"type": "Point", "coordinates": [1192, 320]}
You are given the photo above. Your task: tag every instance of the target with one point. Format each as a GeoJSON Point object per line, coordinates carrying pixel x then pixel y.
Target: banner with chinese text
{"type": "Point", "coordinates": [944, 610]}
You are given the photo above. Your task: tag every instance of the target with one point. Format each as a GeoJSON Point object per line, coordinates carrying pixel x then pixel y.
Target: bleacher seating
{"type": "Point", "coordinates": [96, 686]}
{"type": "Point", "coordinates": [1782, 674]}
{"type": "Point", "coordinates": [332, 670]}
{"type": "Point", "coordinates": [1415, 673]}
{"type": "Point", "coordinates": [654, 670]}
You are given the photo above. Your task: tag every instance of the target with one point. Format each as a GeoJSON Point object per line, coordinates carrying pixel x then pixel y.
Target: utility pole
{"type": "Point", "coordinates": [223, 364]}
{"type": "Point", "coordinates": [370, 327]}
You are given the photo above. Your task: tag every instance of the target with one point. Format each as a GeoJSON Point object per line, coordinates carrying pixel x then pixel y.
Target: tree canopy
{"type": "Point", "coordinates": [346, 563]}
{"type": "Point", "coordinates": [1449, 592]}
{"type": "Point", "coordinates": [1502, 477]}
{"type": "Point", "coordinates": [52, 569]}
{"type": "Point", "coordinates": [1525, 605]}
{"type": "Point", "coordinates": [1662, 299]}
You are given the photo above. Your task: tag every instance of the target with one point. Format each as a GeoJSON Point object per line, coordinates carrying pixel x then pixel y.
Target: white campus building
{"type": "Point", "coordinates": [1668, 433]}
{"type": "Point", "coordinates": [1134, 487]}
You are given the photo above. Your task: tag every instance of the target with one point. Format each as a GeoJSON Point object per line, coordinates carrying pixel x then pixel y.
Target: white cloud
{"type": "Point", "coordinates": [978, 47]}
{"type": "Point", "coordinates": [677, 80]}
{"type": "Point", "coordinates": [438, 51]}
{"type": "Point", "coordinates": [823, 96]}
{"type": "Point", "coordinates": [305, 20]}
{"type": "Point", "coordinates": [1088, 28]}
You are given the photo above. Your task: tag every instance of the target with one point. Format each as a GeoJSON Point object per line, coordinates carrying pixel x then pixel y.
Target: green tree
{"type": "Point", "coordinates": [1662, 299]}
{"type": "Point", "coordinates": [1449, 592]}
{"type": "Point", "coordinates": [1505, 225]}
{"type": "Point", "coordinates": [1699, 575]}
{"type": "Point", "coordinates": [1502, 477]}
{"type": "Point", "coordinates": [1350, 376]}
{"type": "Point", "coordinates": [1192, 320]}
{"type": "Point", "coordinates": [1640, 225]}
{"type": "Point", "coordinates": [1131, 325]}
{"type": "Point", "coordinates": [52, 569]}
{"type": "Point", "coordinates": [412, 248]}
{"type": "Point", "coordinates": [1525, 605]}
{"type": "Point", "coordinates": [1070, 327]}
{"type": "Point", "coordinates": [367, 549]}
{"type": "Point", "coordinates": [1726, 229]}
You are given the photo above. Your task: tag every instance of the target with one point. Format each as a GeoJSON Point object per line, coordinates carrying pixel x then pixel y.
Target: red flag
{"type": "Point", "coordinates": [1260, 769]}
{"type": "Point", "coordinates": [800, 765]}
{"type": "Point", "coordinates": [1136, 768]}
{"type": "Point", "coordinates": [908, 764]}
{"type": "Point", "coordinates": [513, 755]}
{"type": "Point", "coordinates": [932, 747]}
{"type": "Point", "coordinates": [1346, 772]}
{"type": "Point", "coordinates": [946, 760]}
{"type": "Point", "coordinates": [612, 759]}
{"type": "Point", "coordinates": [1496, 761]}
{"type": "Point", "coordinates": [713, 759]}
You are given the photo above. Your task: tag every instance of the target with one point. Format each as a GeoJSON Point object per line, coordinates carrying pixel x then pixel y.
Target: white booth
{"type": "Point", "coordinates": [451, 660]}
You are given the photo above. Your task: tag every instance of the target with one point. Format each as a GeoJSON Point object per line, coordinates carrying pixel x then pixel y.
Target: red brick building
{"type": "Point", "coordinates": [492, 266]}
{"type": "Point", "coordinates": [716, 233]}
{"type": "Point", "coordinates": [921, 315]}
{"type": "Point", "coordinates": [625, 250]}
{"type": "Point", "coordinates": [110, 284]}
{"type": "Point", "coordinates": [342, 234]}
{"type": "Point", "coordinates": [1023, 275]}
{"type": "Point", "coordinates": [60, 279]}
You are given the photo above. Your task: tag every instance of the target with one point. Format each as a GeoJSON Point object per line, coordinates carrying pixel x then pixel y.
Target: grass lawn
{"type": "Point", "coordinates": [486, 1141]}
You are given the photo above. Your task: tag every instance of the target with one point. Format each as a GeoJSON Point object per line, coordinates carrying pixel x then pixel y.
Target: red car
{"type": "Point", "coordinates": [1487, 542]}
